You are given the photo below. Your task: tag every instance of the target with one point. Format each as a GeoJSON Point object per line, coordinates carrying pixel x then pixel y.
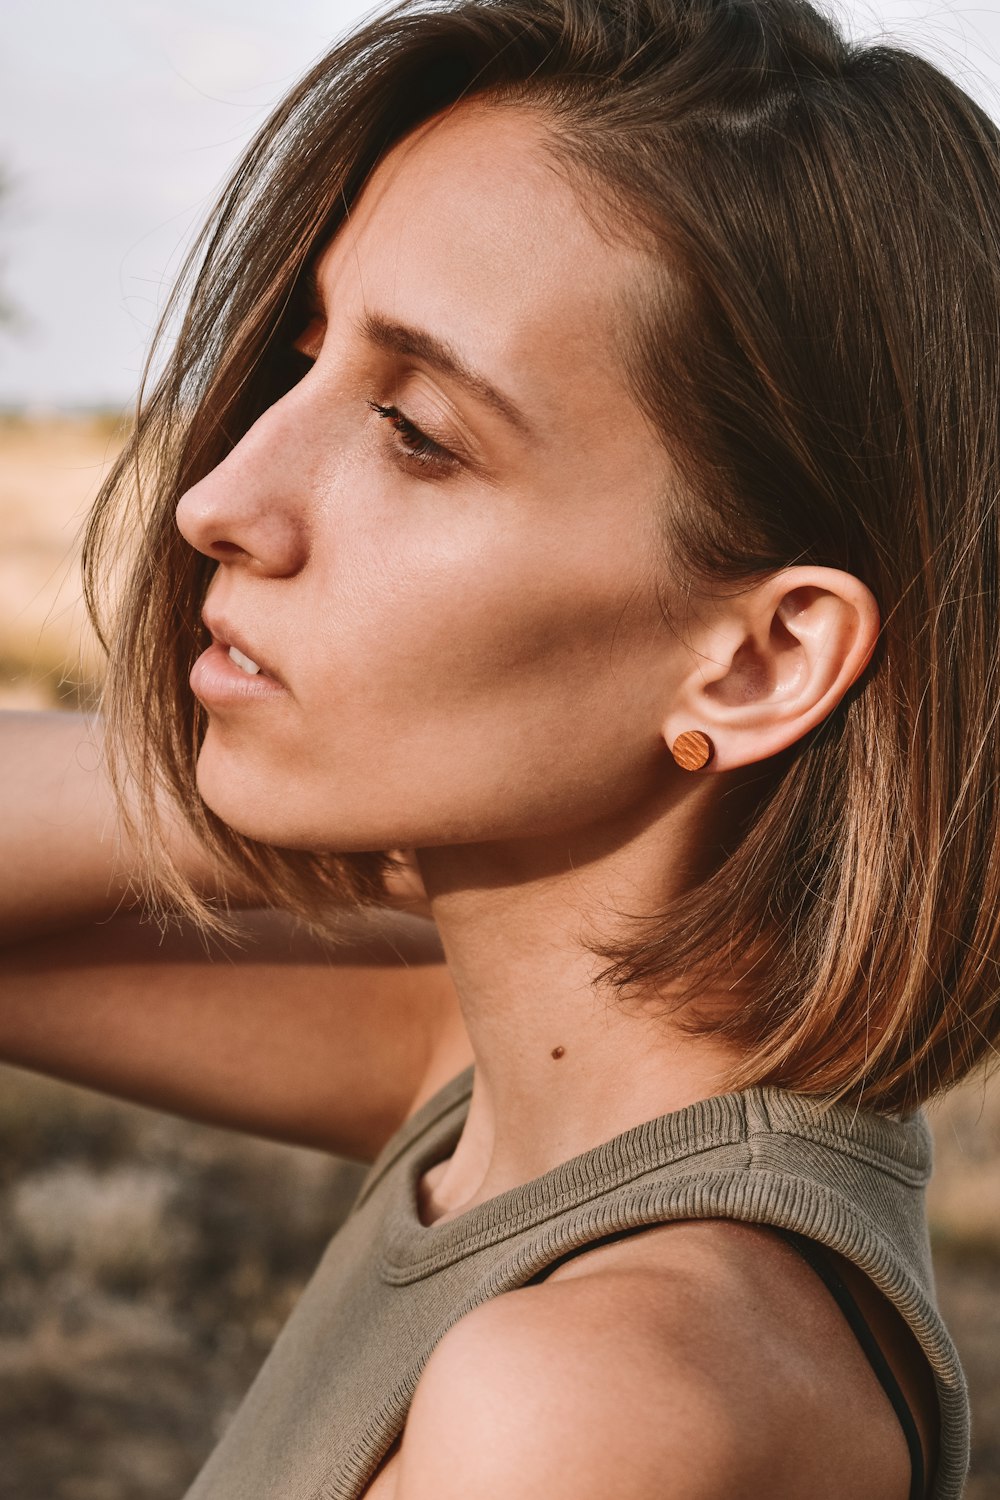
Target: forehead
{"type": "Point", "coordinates": [468, 229]}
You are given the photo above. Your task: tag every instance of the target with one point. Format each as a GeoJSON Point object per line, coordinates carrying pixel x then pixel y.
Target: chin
{"type": "Point", "coordinates": [243, 799]}
{"type": "Point", "coordinates": [263, 798]}
{"type": "Point", "coordinates": [260, 808]}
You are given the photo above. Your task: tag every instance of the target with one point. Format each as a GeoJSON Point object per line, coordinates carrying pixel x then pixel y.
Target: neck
{"type": "Point", "coordinates": [561, 1065]}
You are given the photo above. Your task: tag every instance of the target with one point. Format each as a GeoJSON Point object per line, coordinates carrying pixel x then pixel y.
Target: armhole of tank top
{"type": "Point", "coordinates": [814, 1256]}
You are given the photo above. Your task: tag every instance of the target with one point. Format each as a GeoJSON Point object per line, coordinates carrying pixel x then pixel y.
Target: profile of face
{"type": "Point", "coordinates": [447, 570]}
{"type": "Point", "coordinates": [443, 545]}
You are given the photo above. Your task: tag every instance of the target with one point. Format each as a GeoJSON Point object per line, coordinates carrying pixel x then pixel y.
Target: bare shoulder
{"type": "Point", "coordinates": [686, 1352]}
{"type": "Point", "coordinates": [547, 1392]}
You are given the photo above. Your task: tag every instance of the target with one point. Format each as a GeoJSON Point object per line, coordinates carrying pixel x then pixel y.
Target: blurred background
{"type": "Point", "coordinates": [146, 1264]}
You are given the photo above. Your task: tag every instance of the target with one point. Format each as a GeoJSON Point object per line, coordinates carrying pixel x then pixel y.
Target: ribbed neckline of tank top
{"type": "Point", "coordinates": [411, 1249]}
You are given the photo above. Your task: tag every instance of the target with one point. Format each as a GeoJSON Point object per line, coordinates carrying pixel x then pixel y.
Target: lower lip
{"type": "Point", "coordinates": [215, 678]}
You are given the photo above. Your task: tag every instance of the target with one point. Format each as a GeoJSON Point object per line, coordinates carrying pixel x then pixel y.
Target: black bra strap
{"type": "Point", "coordinates": [827, 1272]}
{"type": "Point", "coordinates": [605, 1239]}
{"type": "Point", "coordinates": [824, 1268]}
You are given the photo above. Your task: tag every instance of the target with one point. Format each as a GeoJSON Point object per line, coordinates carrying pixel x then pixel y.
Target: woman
{"type": "Point", "coordinates": [578, 468]}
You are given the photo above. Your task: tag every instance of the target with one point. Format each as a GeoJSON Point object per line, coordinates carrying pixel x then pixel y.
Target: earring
{"type": "Point", "coordinates": [692, 750]}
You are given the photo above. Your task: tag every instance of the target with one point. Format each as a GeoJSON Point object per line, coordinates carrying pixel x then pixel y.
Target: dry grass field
{"type": "Point", "coordinates": [146, 1264]}
{"type": "Point", "coordinates": [50, 470]}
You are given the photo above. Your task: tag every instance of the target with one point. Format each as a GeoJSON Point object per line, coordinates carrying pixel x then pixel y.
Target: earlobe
{"type": "Point", "coordinates": [775, 662]}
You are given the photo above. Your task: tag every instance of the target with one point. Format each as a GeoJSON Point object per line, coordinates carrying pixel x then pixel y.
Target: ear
{"type": "Point", "coordinates": [769, 664]}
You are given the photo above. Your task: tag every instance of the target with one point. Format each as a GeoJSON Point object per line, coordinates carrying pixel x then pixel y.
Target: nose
{"type": "Point", "coordinates": [248, 510]}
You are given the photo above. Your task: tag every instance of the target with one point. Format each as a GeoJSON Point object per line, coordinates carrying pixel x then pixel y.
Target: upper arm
{"type": "Point", "coordinates": [560, 1393]}
{"type": "Point", "coordinates": [283, 1036]}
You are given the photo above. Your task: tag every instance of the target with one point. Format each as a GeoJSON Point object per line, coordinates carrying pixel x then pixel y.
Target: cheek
{"type": "Point", "coordinates": [453, 685]}
{"type": "Point", "coordinates": [431, 622]}
{"type": "Point", "coordinates": [477, 696]}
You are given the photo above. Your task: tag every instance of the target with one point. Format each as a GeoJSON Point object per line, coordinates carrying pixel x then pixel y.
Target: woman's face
{"type": "Point", "coordinates": [458, 626]}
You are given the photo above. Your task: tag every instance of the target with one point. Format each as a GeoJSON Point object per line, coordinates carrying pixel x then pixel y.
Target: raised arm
{"type": "Point", "coordinates": [280, 1035]}
{"type": "Point", "coordinates": [63, 859]}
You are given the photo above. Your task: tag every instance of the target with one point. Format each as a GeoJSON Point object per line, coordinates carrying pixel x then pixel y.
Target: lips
{"type": "Point", "coordinates": [221, 678]}
{"type": "Point", "coordinates": [226, 635]}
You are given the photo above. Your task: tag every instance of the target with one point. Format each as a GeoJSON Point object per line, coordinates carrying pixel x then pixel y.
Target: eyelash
{"type": "Point", "coordinates": [415, 443]}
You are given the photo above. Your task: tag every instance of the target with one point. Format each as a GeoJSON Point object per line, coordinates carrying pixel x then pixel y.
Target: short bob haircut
{"type": "Point", "coordinates": [821, 356]}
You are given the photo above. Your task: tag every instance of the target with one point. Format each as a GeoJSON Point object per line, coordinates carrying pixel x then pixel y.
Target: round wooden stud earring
{"type": "Point", "coordinates": [692, 750]}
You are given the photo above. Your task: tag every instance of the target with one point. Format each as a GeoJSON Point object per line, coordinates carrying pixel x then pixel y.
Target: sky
{"type": "Point", "coordinates": [120, 119]}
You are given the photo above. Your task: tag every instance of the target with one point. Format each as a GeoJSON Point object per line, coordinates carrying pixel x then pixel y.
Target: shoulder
{"type": "Point", "coordinates": [546, 1392]}
{"type": "Point", "coordinates": [603, 1382]}
{"type": "Point", "coordinates": [707, 1352]}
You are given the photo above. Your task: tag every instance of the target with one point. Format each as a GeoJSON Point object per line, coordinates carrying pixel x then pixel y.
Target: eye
{"type": "Point", "coordinates": [412, 442]}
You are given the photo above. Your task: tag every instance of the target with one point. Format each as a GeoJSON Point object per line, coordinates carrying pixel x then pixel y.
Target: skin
{"type": "Point", "coordinates": [476, 668]}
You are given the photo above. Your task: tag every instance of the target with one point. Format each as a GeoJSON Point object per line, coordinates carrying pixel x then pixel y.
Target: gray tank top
{"type": "Point", "coordinates": [334, 1392]}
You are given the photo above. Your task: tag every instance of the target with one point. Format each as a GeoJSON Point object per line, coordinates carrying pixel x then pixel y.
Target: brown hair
{"type": "Point", "coordinates": [821, 355]}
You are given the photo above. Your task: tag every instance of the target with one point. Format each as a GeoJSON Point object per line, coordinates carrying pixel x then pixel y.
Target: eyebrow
{"type": "Point", "coordinates": [416, 343]}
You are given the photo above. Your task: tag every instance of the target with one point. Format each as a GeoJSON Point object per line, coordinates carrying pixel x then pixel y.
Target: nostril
{"type": "Point", "coordinates": [241, 530]}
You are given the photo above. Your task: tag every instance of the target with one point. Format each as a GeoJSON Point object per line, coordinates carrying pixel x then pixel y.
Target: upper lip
{"type": "Point", "coordinates": [227, 635]}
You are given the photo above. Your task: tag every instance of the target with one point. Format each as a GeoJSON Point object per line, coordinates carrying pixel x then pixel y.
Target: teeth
{"type": "Point", "coordinates": [243, 662]}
